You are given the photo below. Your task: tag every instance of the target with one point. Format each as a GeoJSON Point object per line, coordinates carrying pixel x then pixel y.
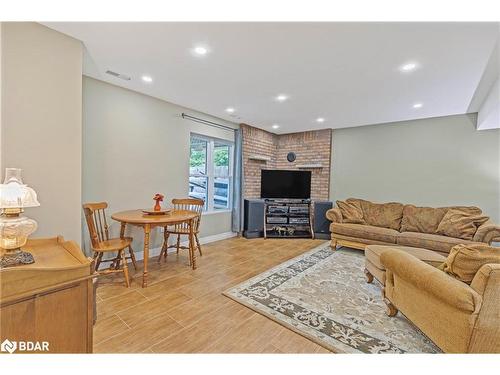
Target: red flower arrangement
{"type": "Point", "coordinates": [158, 198]}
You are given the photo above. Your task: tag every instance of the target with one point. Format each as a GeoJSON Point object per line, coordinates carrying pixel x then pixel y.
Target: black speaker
{"type": "Point", "coordinates": [253, 218]}
{"type": "Point", "coordinates": [321, 223]}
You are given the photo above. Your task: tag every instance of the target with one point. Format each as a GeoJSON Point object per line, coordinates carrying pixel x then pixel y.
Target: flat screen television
{"type": "Point", "coordinates": [285, 184]}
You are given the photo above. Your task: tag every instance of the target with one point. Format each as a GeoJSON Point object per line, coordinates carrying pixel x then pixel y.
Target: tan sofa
{"type": "Point", "coordinates": [403, 225]}
{"type": "Point", "coordinates": [458, 317]}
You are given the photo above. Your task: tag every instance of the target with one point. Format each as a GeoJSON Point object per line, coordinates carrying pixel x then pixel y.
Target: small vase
{"type": "Point", "coordinates": [157, 206]}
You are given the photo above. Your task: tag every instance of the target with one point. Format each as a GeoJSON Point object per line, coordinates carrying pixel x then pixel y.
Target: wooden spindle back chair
{"type": "Point", "coordinates": [95, 216]}
{"type": "Point", "coordinates": [184, 204]}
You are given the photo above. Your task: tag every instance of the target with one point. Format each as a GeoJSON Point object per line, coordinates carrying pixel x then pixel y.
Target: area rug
{"type": "Point", "coordinates": [323, 295]}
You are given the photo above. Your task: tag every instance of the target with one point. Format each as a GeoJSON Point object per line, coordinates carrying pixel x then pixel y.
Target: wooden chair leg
{"type": "Point", "coordinates": [94, 260]}
{"type": "Point", "coordinates": [161, 254]}
{"type": "Point", "coordinates": [198, 244]}
{"type": "Point", "coordinates": [166, 236]}
{"type": "Point", "coordinates": [115, 264]}
{"type": "Point", "coordinates": [190, 252]}
{"type": "Point", "coordinates": [369, 276]}
{"type": "Point", "coordinates": [178, 243]}
{"type": "Point", "coordinates": [132, 257]}
{"type": "Point", "coordinates": [98, 261]}
{"type": "Point", "coordinates": [125, 269]}
{"type": "Point", "coordinates": [164, 247]}
{"type": "Point", "coordinates": [95, 256]}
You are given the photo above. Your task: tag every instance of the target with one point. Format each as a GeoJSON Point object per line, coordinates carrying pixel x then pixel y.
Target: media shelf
{"type": "Point", "coordinates": [288, 219]}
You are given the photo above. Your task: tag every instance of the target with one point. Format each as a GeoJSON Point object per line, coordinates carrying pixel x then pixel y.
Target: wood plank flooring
{"type": "Point", "coordinates": [184, 311]}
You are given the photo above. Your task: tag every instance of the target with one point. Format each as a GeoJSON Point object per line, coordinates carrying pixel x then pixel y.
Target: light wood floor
{"type": "Point", "coordinates": [183, 311]}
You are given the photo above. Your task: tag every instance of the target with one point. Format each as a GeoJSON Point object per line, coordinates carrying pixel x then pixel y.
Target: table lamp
{"type": "Point", "coordinates": [14, 228]}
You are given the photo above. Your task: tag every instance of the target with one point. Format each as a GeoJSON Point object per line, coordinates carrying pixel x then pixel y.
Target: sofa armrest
{"type": "Point", "coordinates": [486, 333]}
{"type": "Point", "coordinates": [334, 215]}
{"type": "Point", "coordinates": [485, 274]}
{"type": "Point", "coordinates": [430, 280]}
{"type": "Point", "coordinates": [487, 232]}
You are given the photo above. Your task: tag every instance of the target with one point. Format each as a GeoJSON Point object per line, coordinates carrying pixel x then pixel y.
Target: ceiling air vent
{"type": "Point", "coordinates": [118, 75]}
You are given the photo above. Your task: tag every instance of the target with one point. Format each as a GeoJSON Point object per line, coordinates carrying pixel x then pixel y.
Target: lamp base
{"type": "Point", "coordinates": [15, 258]}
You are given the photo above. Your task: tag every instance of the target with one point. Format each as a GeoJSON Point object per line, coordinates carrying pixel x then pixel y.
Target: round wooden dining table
{"type": "Point", "coordinates": [147, 222]}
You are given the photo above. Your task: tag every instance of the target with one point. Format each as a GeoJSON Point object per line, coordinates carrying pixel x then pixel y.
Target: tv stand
{"type": "Point", "coordinates": [283, 200]}
{"type": "Point", "coordinates": [288, 218]}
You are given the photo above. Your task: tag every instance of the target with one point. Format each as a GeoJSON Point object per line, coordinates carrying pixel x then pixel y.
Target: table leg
{"type": "Point", "coordinates": [192, 253]}
{"type": "Point", "coordinates": [122, 229]}
{"type": "Point", "coordinates": [147, 230]}
{"type": "Point", "coordinates": [119, 257]}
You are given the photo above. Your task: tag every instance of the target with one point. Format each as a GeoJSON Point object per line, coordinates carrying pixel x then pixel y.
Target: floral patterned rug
{"type": "Point", "coordinates": [323, 296]}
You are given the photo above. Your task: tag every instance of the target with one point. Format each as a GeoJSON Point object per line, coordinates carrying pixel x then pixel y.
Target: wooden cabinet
{"type": "Point", "coordinates": [50, 300]}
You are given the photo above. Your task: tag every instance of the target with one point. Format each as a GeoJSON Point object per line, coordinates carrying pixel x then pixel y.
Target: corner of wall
{"type": "Point", "coordinates": [266, 150]}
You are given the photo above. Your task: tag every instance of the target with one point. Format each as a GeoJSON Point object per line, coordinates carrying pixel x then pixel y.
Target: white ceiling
{"type": "Point", "coordinates": [345, 72]}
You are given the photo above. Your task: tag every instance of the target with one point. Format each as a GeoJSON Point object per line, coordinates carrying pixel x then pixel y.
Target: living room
{"type": "Point", "coordinates": [250, 187]}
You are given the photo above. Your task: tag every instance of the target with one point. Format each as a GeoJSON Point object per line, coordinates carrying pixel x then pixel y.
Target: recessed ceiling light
{"type": "Point", "coordinates": [417, 105]}
{"type": "Point", "coordinates": [200, 50]}
{"type": "Point", "coordinates": [275, 126]}
{"type": "Point", "coordinates": [281, 97]}
{"type": "Point", "coordinates": [320, 119]}
{"type": "Point", "coordinates": [230, 110]}
{"type": "Point", "coordinates": [147, 79]}
{"type": "Point", "coordinates": [408, 67]}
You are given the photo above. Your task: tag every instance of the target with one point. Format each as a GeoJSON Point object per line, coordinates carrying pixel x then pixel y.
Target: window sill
{"type": "Point", "coordinates": [214, 212]}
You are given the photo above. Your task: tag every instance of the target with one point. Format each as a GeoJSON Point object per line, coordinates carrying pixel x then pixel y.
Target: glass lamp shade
{"type": "Point", "coordinates": [15, 194]}
{"type": "Point", "coordinates": [14, 231]}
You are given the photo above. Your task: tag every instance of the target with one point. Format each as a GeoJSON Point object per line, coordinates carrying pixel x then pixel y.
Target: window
{"type": "Point", "coordinates": [210, 172]}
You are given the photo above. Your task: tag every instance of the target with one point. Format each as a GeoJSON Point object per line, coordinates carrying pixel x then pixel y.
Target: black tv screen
{"type": "Point", "coordinates": [285, 184]}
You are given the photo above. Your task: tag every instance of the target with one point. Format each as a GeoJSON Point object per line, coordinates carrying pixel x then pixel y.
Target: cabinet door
{"type": "Point", "coordinates": [62, 318]}
{"type": "Point", "coordinates": [17, 321]}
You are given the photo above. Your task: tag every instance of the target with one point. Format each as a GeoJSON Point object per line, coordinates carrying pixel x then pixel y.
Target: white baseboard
{"type": "Point", "coordinates": [216, 237]}
{"type": "Point", "coordinates": [139, 255]}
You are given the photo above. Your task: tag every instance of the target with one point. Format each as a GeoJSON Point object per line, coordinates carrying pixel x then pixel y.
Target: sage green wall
{"type": "Point", "coordinates": [432, 162]}
{"type": "Point", "coordinates": [135, 146]}
{"type": "Point", "coordinates": [41, 122]}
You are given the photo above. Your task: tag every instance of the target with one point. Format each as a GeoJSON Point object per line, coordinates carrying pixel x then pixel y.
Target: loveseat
{"type": "Point", "coordinates": [357, 223]}
{"type": "Point", "coordinates": [457, 304]}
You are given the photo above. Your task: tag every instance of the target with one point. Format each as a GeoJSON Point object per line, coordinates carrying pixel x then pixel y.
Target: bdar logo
{"type": "Point", "coordinates": [24, 346]}
{"type": "Point", "coordinates": [8, 346]}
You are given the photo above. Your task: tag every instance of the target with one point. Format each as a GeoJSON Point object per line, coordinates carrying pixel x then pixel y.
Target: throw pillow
{"type": "Point", "coordinates": [460, 223]}
{"type": "Point", "coordinates": [351, 211]}
{"type": "Point", "coordinates": [470, 209]}
{"type": "Point", "coordinates": [385, 215]}
{"type": "Point", "coordinates": [421, 219]}
{"type": "Point", "coordinates": [465, 260]}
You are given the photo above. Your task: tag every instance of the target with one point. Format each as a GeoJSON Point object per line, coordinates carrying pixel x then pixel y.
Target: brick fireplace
{"type": "Point", "coordinates": [265, 150]}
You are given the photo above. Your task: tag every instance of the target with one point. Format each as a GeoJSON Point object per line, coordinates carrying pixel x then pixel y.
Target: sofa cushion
{"type": "Point", "coordinates": [385, 215]}
{"type": "Point", "coordinates": [365, 231]}
{"type": "Point", "coordinates": [422, 219]}
{"type": "Point", "coordinates": [364, 241]}
{"type": "Point", "coordinates": [351, 211]}
{"type": "Point", "coordinates": [373, 253]}
{"type": "Point", "coordinates": [465, 260]}
{"type": "Point", "coordinates": [429, 241]}
{"type": "Point", "coordinates": [460, 223]}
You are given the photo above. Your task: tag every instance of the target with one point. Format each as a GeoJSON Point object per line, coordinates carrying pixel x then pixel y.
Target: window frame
{"type": "Point", "coordinates": [210, 169]}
